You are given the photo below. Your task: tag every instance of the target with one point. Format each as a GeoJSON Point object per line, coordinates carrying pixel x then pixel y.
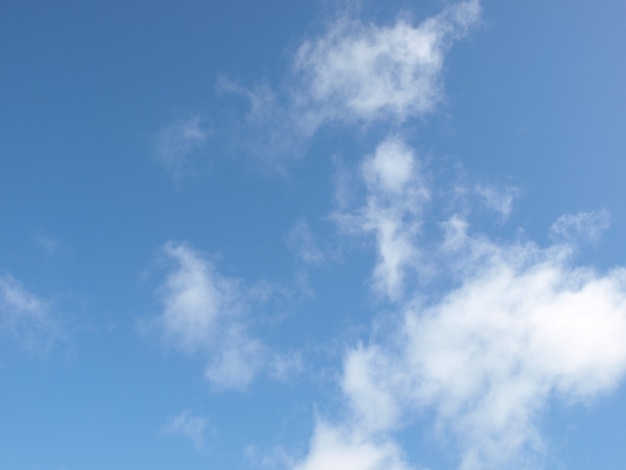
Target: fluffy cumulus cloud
{"type": "Point", "coordinates": [361, 72]}
{"type": "Point", "coordinates": [25, 316]}
{"type": "Point", "coordinates": [354, 72]}
{"type": "Point", "coordinates": [524, 326]}
{"type": "Point", "coordinates": [519, 326]}
{"type": "Point", "coordinates": [204, 313]}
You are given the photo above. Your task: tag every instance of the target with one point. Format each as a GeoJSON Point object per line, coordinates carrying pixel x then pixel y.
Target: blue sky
{"type": "Point", "coordinates": [314, 235]}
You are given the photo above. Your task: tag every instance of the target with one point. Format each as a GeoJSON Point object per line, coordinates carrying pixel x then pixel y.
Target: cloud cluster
{"type": "Point", "coordinates": [519, 326]}
{"type": "Point", "coordinates": [524, 326]}
{"type": "Point", "coordinates": [25, 316]}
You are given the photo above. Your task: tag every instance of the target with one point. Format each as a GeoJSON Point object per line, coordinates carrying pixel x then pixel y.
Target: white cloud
{"type": "Point", "coordinates": [396, 195]}
{"type": "Point", "coordinates": [523, 327]}
{"type": "Point", "coordinates": [518, 327]}
{"type": "Point", "coordinates": [361, 72]}
{"type": "Point", "coordinates": [354, 72]}
{"type": "Point", "coordinates": [237, 363]}
{"type": "Point", "coordinates": [208, 315]}
{"type": "Point", "coordinates": [187, 425]}
{"type": "Point", "coordinates": [335, 447]}
{"type": "Point", "coordinates": [25, 316]}
{"type": "Point", "coordinates": [196, 300]}
{"type": "Point", "coordinates": [589, 225]}
{"type": "Point", "coordinates": [204, 313]}
{"type": "Point", "coordinates": [178, 143]}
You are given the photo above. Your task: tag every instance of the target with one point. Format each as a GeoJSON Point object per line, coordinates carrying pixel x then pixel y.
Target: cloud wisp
{"type": "Point", "coordinates": [187, 425]}
{"type": "Point", "coordinates": [589, 225]}
{"type": "Point", "coordinates": [206, 314]}
{"type": "Point", "coordinates": [25, 316]}
{"type": "Point", "coordinates": [178, 144]}
{"type": "Point", "coordinates": [396, 196]}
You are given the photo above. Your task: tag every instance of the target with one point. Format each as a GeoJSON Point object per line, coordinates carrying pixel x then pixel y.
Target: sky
{"type": "Point", "coordinates": [312, 235]}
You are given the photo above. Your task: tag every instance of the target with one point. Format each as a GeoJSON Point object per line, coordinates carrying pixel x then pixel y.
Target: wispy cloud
{"type": "Point", "coordinates": [302, 242]}
{"type": "Point", "coordinates": [589, 225]}
{"type": "Point", "coordinates": [499, 200]}
{"type": "Point", "coordinates": [207, 314]}
{"type": "Point", "coordinates": [178, 144]}
{"type": "Point", "coordinates": [396, 195]}
{"type": "Point", "coordinates": [187, 425]}
{"type": "Point", "coordinates": [25, 316]}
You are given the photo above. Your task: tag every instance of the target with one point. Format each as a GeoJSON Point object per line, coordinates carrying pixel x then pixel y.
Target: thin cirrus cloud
{"type": "Point", "coordinates": [189, 426]}
{"type": "Point", "coordinates": [178, 144]}
{"type": "Point", "coordinates": [301, 241]}
{"type": "Point", "coordinates": [499, 200]}
{"type": "Point", "coordinates": [589, 225]}
{"type": "Point", "coordinates": [25, 317]}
